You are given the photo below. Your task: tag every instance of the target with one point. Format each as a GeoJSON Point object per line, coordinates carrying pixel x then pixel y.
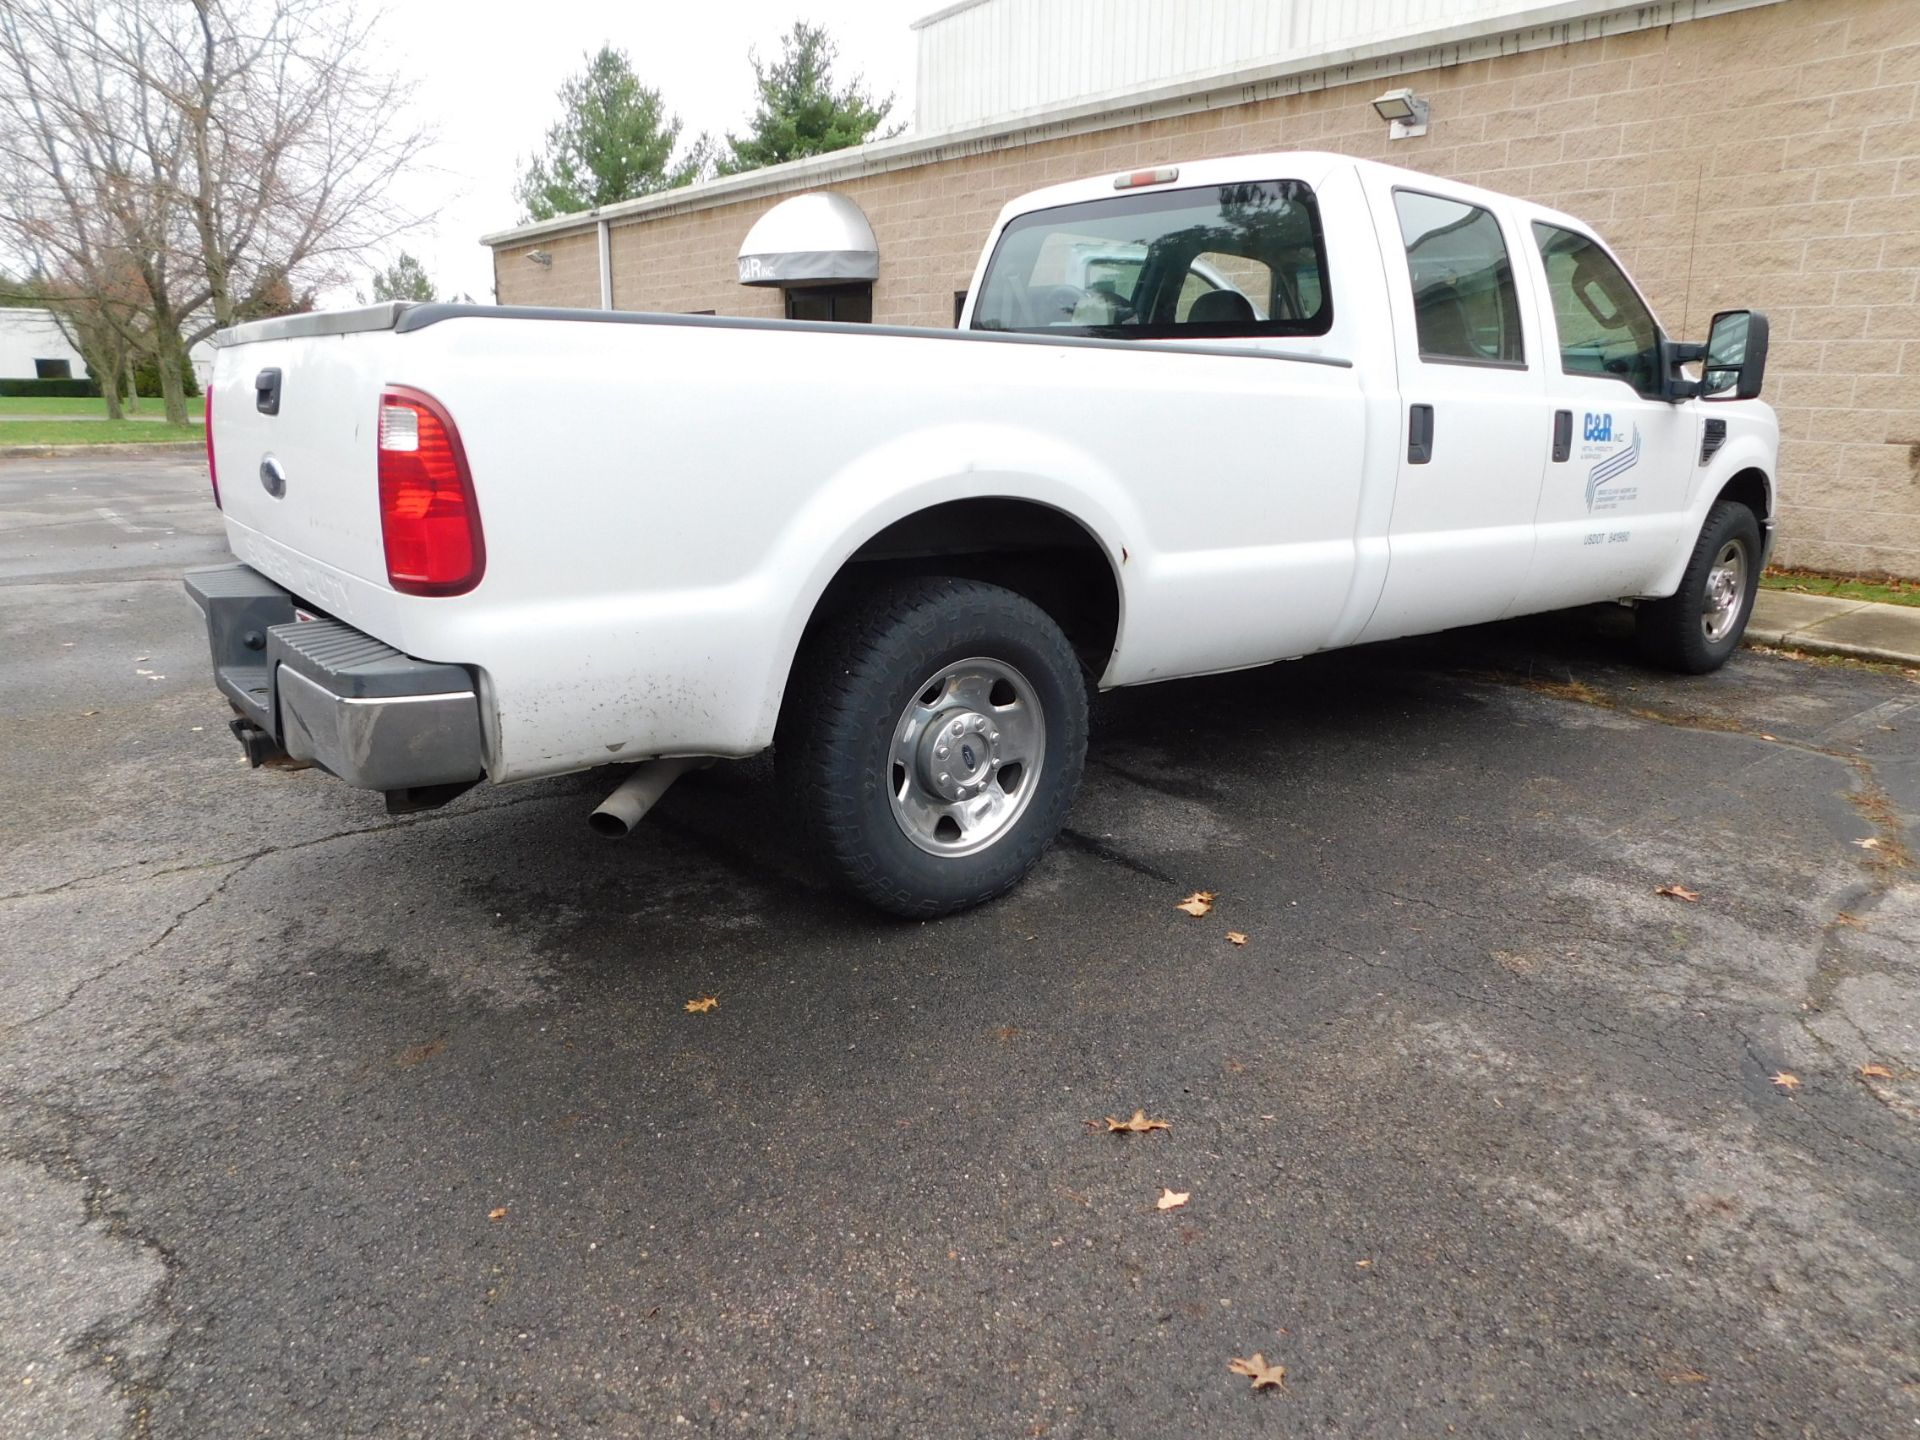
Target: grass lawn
{"type": "Point", "coordinates": [101, 432]}
{"type": "Point", "coordinates": [1890, 591]}
{"type": "Point", "coordinates": [11, 405]}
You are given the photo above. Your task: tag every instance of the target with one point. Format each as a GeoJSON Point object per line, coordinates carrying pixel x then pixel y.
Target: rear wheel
{"type": "Point", "coordinates": [1699, 626]}
{"type": "Point", "coordinates": [932, 741]}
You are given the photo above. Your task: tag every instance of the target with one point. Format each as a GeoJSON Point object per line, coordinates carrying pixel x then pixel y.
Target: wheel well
{"type": "Point", "coordinates": [1032, 549]}
{"type": "Point", "coordinates": [1749, 487]}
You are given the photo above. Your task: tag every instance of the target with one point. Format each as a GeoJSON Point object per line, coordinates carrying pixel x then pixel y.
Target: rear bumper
{"type": "Point", "coordinates": [332, 696]}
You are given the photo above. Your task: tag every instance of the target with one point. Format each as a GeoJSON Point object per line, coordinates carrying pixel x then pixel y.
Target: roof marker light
{"type": "Point", "coordinates": [1162, 176]}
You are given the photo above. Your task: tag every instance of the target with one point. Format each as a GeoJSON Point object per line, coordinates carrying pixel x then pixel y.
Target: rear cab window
{"type": "Point", "coordinates": [1205, 262]}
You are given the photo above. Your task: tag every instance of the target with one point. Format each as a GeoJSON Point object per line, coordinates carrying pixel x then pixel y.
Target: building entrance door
{"type": "Point", "coordinates": [849, 304]}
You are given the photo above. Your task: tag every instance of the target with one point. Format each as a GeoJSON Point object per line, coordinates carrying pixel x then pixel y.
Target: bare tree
{"type": "Point", "coordinates": [230, 153]}
{"type": "Point", "coordinates": [66, 191]}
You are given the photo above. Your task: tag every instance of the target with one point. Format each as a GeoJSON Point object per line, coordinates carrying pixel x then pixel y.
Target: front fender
{"type": "Point", "coordinates": [1753, 444]}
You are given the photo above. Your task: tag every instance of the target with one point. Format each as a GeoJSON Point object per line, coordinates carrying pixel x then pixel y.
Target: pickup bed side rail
{"type": "Point", "coordinates": [403, 317]}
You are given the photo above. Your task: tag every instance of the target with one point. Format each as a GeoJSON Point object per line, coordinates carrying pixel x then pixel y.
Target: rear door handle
{"type": "Point", "coordinates": [266, 391]}
{"type": "Point", "coordinates": [1562, 435]}
{"type": "Point", "coordinates": [1420, 435]}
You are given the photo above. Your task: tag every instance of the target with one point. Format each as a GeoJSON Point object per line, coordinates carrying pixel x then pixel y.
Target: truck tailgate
{"type": "Point", "coordinates": [295, 419]}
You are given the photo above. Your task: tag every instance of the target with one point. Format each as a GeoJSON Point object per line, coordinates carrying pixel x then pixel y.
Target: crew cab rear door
{"type": "Point", "coordinates": [1473, 405]}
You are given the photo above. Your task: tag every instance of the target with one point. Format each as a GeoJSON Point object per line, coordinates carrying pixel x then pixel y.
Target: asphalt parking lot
{"type": "Point", "coordinates": [316, 1122]}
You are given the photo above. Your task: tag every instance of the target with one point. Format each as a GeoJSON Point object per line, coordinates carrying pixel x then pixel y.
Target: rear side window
{"type": "Point", "coordinates": [1206, 262]}
{"type": "Point", "coordinates": [1464, 305]}
{"type": "Point", "coordinates": [1604, 326]}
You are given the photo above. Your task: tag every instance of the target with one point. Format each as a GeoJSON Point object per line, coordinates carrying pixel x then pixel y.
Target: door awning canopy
{"type": "Point", "coordinates": [817, 239]}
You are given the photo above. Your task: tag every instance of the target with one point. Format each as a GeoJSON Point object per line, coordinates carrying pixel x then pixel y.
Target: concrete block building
{"type": "Point", "coordinates": [1760, 153]}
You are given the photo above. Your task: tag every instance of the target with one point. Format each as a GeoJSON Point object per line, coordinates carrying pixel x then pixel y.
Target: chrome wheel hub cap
{"type": "Point", "coordinates": [1726, 591]}
{"type": "Point", "coordinates": [966, 753]}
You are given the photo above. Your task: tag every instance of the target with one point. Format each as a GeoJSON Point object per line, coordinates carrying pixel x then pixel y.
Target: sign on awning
{"type": "Point", "coordinates": [817, 239]}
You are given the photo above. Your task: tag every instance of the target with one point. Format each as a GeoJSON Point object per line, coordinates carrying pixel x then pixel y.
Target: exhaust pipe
{"type": "Point", "coordinates": [639, 793]}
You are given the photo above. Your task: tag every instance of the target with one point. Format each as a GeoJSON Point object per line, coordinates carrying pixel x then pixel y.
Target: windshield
{"type": "Point", "coordinates": [1208, 262]}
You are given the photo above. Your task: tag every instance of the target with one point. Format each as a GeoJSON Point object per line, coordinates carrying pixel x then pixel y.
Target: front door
{"type": "Point", "coordinates": [1614, 505]}
{"type": "Point", "coordinates": [1474, 413]}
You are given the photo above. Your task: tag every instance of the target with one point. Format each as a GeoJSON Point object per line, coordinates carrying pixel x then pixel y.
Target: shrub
{"type": "Point", "coordinates": [146, 379]}
{"type": "Point", "coordinates": [52, 389]}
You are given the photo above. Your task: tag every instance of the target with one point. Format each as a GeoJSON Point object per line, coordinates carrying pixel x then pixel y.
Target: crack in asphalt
{"type": "Point", "coordinates": [1870, 799]}
{"type": "Point", "coordinates": [404, 822]}
{"type": "Point", "coordinates": [74, 993]}
{"type": "Point", "coordinates": [107, 1343]}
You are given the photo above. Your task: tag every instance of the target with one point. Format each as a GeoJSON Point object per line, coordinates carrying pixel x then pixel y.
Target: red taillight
{"type": "Point", "coordinates": [213, 475]}
{"type": "Point", "coordinates": [427, 510]}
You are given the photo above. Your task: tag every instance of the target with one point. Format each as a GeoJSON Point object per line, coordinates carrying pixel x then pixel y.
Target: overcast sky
{"type": "Point", "coordinates": [488, 72]}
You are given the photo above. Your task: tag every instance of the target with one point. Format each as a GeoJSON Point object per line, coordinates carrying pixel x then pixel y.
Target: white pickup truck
{"type": "Point", "coordinates": [1193, 418]}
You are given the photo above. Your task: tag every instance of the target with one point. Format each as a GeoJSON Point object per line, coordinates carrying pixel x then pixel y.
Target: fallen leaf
{"type": "Point", "coordinates": [1363, 1264]}
{"type": "Point", "coordinates": [1683, 1377]}
{"type": "Point", "coordinates": [1172, 1199]}
{"type": "Point", "coordinates": [1138, 1125]}
{"type": "Point", "coordinates": [1236, 937]}
{"type": "Point", "coordinates": [1678, 892]}
{"type": "Point", "coordinates": [1263, 1375]}
{"type": "Point", "coordinates": [499, 1214]}
{"type": "Point", "coordinates": [89, 712]}
{"type": "Point", "coordinates": [1197, 904]}
{"type": "Point", "coordinates": [1875, 1072]}
{"type": "Point", "coordinates": [1786, 1080]}
{"type": "Point", "coordinates": [702, 1005]}
{"type": "Point", "coordinates": [1765, 736]}
{"type": "Point", "coordinates": [415, 1054]}
{"type": "Point", "coordinates": [1872, 842]}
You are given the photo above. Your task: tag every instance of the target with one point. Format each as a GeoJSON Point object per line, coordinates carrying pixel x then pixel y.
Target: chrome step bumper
{"type": "Point", "coordinates": [332, 696]}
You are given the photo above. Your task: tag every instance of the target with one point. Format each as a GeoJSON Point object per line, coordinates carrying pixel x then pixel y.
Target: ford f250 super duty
{"type": "Point", "coordinates": [1193, 418]}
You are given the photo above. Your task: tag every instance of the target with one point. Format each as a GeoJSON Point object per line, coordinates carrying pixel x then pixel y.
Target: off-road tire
{"type": "Point", "coordinates": [835, 747]}
{"type": "Point", "coordinates": [1673, 633]}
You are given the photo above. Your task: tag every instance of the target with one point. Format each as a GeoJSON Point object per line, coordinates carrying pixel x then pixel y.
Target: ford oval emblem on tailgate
{"type": "Point", "coordinates": [273, 477]}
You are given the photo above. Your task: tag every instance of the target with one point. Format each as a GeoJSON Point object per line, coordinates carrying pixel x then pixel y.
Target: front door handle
{"type": "Point", "coordinates": [1420, 435]}
{"type": "Point", "coordinates": [1562, 435]}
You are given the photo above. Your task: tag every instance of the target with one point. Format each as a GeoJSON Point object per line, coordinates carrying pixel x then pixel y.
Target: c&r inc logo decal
{"type": "Point", "coordinates": [1609, 469]}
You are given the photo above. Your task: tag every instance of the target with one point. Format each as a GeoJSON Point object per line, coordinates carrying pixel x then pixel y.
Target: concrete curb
{"type": "Point", "coordinates": [1814, 645]}
{"type": "Point", "coordinates": [1830, 625]}
{"type": "Point", "coordinates": [133, 448]}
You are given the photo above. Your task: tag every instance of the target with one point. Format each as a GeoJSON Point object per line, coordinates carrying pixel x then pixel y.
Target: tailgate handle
{"type": "Point", "coordinates": [266, 391]}
{"type": "Point", "coordinates": [1420, 435]}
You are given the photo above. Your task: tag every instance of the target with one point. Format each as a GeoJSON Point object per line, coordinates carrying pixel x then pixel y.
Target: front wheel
{"type": "Point", "coordinates": [931, 743]}
{"type": "Point", "coordinates": [1698, 627]}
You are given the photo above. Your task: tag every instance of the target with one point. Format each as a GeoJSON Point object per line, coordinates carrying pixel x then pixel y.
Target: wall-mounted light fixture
{"type": "Point", "coordinates": [540, 257]}
{"type": "Point", "coordinates": [1404, 112]}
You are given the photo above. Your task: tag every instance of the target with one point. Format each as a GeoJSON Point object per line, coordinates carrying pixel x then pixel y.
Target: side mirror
{"type": "Point", "coordinates": [1736, 359]}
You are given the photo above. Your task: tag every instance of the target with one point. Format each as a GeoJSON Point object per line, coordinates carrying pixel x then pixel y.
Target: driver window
{"type": "Point", "coordinates": [1605, 328]}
